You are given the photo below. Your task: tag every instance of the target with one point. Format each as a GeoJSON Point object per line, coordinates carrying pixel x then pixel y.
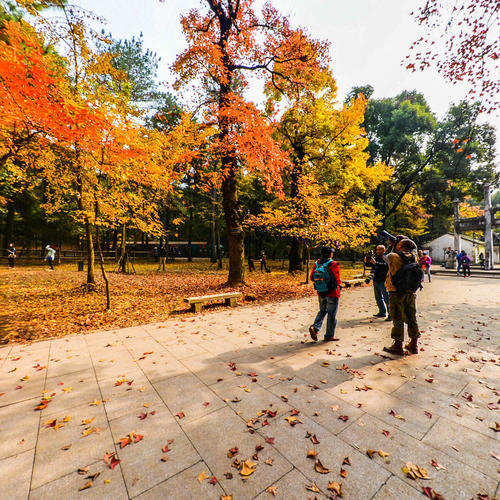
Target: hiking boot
{"type": "Point", "coordinates": [331, 339]}
{"type": "Point", "coordinates": [412, 346]}
{"type": "Point", "coordinates": [379, 315]}
{"type": "Point", "coordinates": [395, 348]}
{"type": "Point", "coordinates": [389, 318]}
{"type": "Point", "coordinates": [313, 333]}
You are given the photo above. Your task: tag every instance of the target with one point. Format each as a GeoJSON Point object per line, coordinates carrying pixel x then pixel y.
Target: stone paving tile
{"type": "Point", "coordinates": [474, 449]}
{"type": "Point", "coordinates": [395, 489]}
{"type": "Point", "coordinates": [319, 405]}
{"type": "Point", "coordinates": [439, 404]}
{"type": "Point", "coordinates": [15, 473]}
{"type": "Point", "coordinates": [72, 389]}
{"type": "Point", "coordinates": [458, 481]}
{"type": "Point", "coordinates": [214, 434]}
{"type": "Point", "coordinates": [185, 486]}
{"type": "Point", "coordinates": [380, 404]}
{"type": "Point", "coordinates": [249, 404]}
{"type": "Point", "coordinates": [67, 487]}
{"type": "Point", "coordinates": [188, 395]}
{"type": "Point", "coordinates": [364, 476]}
{"type": "Point", "coordinates": [291, 486]}
{"type": "Point", "coordinates": [18, 428]}
{"type": "Point", "coordinates": [208, 369]}
{"type": "Point", "coordinates": [141, 462]}
{"type": "Point", "coordinates": [51, 462]}
{"type": "Point", "coordinates": [17, 390]}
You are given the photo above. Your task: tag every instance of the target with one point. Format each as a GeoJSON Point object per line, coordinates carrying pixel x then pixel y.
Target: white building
{"type": "Point", "coordinates": [438, 246]}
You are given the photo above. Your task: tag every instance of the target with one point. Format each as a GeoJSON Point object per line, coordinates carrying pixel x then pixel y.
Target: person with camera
{"type": "Point", "coordinates": [379, 274]}
{"type": "Point", "coordinates": [325, 276]}
{"type": "Point", "coordinates": [404, 278]}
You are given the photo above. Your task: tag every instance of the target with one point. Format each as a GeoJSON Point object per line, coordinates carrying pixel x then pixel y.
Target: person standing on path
{"type": "Point", "coordinates": [426, 261]}
{"type": "Point", "coordinates": [11, 255]}
{"type": "Point", "coordinates": [402, 302]}
{"type": "Point", "coordinates": [466, 262]}
{"type": "Point", "coordinates": [459, 260]}
{"type": "Point", "coordinates": [326, 278]}
{"type": "Point", "coordinates": [50, 256]}
{"type": "Point", "coordinates": [379, 274]}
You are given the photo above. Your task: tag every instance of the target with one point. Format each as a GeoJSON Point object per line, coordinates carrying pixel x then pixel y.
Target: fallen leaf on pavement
{"type": "Point", "coordinates": [395, 415]}
{"type": "Point", "coordinates": [248, 468]}
{"type": "Point", "coordinates": [335, 487]}
{"type": "Point", "coordinates": [113, 462]}
{"type": "Point", "coordinates": [312, 454]}
{"type": "Point", "coordinates": [312, 487]}
{"type": "Point", "coordinates": [272, 490]}
{"type": "Point", "coordinates": [414, 471]}
{"type": "Point", "coordinates": [432, 494]}
{"type": "Point", "coordinates": [437, 466]}
{"type": "Point", "coordinates": [320, 467]}
{"type": "Point", "coordinates": [314, 439]}
{"type": "Point", "coordinates": [383, 453]}
{"type": "Point", "coordinates": [203, 476]}
{"type": "Point", "coordinates": [371, 453]}
{"type": "Point", "coordinates": [87, 421]}
{"type": "Point", "coordinates": [87, 485]}
{"type": "Point", "coordinates": [269, 440]}
{"type": "Point", "coordinates": [180, 415]}
{"type": "Point", "coordinates": [343, 472]}
{"type": "Point", "coordinates": [346, 461]}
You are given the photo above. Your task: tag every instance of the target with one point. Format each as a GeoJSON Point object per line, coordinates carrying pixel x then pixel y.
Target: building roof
{"type": "Point", "coordinates": [466, 238]}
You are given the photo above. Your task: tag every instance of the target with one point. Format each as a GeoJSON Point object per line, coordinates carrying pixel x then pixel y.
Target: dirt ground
{"type": "Point", "coordinates": [38, 303]}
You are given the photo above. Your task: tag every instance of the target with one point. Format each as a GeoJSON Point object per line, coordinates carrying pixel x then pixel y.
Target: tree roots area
{"type": "Point", "coordinates": [38, 303]}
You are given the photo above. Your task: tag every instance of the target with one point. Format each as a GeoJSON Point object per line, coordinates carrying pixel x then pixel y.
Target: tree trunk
{"type": "Point", "coordinates": [9, 224]}
{"type": "Point", "coordinates": [234, 231]}
{"type": "Point", "coordinates": [295, 261]}
{"type": "Point", "coordinates": [308, 253]}
{"type": "Point", "coordinates": [101, 258]}
{"type": "Point", "coordinates": [213, 257]}
{"type": "Point", "coordinates": [90, 253]}
{"type": "Point", "coordinates": [219, 253]}
{"type": "Point", "coordinates": [190, 236]}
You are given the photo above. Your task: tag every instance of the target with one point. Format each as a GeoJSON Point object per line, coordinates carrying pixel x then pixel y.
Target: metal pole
{"type": "Point", "coordinates": [456, 234]}
{"type": "Point", "coordinates": [488, 232]}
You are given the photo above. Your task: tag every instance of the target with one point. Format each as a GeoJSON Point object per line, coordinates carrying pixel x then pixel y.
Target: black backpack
{"type": "Point", "coordinates": [409, 277]}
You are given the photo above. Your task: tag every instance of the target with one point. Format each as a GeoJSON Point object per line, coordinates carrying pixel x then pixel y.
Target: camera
{"type": "Point", "coordinates": [388, 236]}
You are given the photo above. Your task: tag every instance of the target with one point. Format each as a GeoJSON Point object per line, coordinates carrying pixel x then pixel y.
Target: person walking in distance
{"type": "Point", "coordinates": [379, 274]}
{"type": "Point", "coordinates": [11, 255]}
{"type": "Point", "coordinates": [162, 253]}
{"type": "Point", "coordinates": [466, 262]}
{"type": "Point", "coordinates": [50, 256]}
{"type": "Point", "coordinates": [326, 278]}
{"type": "Point", "coordinates": [263, 262]}
{"type": "Point", "coordinates": [404, 278]}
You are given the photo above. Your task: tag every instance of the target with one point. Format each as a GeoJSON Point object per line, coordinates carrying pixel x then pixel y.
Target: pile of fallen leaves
{"type": "Point", "coordinates": [40, 304]}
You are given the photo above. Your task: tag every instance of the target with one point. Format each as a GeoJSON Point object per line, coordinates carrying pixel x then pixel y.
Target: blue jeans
{"type": "Point", "coordinates": [381, 296]}
{"type": "Point", "coordinates": [327, 306]}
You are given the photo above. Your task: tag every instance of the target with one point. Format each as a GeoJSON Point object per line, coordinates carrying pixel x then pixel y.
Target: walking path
{"type": "Point", "coordinates": [178, 396]}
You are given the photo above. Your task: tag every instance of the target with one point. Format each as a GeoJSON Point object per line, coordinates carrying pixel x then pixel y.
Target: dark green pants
{"type": "Point", "coordinates": [403, 309]}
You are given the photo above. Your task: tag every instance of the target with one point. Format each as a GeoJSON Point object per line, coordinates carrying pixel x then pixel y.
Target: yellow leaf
{"type": "Point", "coordinates": [67, 389]}
{"type": "Point", "coordinates": [272, 490]}
{"type": "Point", "coordinates": [87, 421]}
{"type": "Point", "coordinates": [88, 432]}
{"type": "Point", "coordinates": [203, 476]}
{"type": "Point", "coordinates": [87, 485]}
{"type": "Point", "coordinates": [95, 403]}
{"type": "Point", "coordinates": [67, 418]}
{"type": "Point", "coordinates": [248, 468]}
{"type": "Point", "coordinates": [383, 453]}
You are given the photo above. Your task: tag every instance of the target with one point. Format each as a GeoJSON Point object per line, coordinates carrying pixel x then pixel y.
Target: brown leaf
{"type": "Point", "coordinates": [83, 470]}
{"type": "Point", "coordinates": [414, 471]}
{"type": "Point", "coordinates": [343, 472]}
{"type": "Point", "coordinates": [371, 453]}
{"type": "Point", "coordinates": [312, 487]}
{"type": "Point", "coordinates": [320, 467]}
{"type": "Point", "coordinates": [335, 487]}
{"type": "Point", "coordinates": [87, 485]}
{"type": "Point", "coordinates": [314, 439]}
{"type": "Point", "coordinates": [272, 490]}
{"type": "Point", "coordinates": [67, 447]}
{"type": "Point", "coordinates": [346, 461]}
{"type": "Point", "coordinates": [164, 458]}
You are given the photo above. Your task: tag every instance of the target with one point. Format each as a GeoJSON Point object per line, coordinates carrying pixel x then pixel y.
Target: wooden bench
{"type": "Point", "coordinates": [356, 282]}
{"type": "Point", "coordinates": [197, 302]}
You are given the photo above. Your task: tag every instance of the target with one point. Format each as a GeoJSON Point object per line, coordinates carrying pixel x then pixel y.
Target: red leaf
{"type": "Point", "coordinates": [213, 480]}
{"type": "Point", "coordinates": [385, 433]}
{"type": "Point", "coordinates": [180, 415]}
{"type": "Point", "coordinates": [428, 414]}
{"type": "Point", "coordinates": [142, 416]}
{"type": "Point", "coordinates": [269, 440]}
{"type": "Point", "coordinates": [114, 462]}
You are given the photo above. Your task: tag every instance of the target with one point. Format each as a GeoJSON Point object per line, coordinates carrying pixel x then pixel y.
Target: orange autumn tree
{"type": "Point", "coordinates": [226, 41]}
{"type": "Point", "coordinates": [329, 177]}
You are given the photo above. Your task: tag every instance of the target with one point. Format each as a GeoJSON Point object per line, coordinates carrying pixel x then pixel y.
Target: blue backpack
{"type": "Point", "coordinates": [322, 278]}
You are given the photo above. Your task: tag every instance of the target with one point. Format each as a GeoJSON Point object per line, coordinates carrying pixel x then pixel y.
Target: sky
{"type": "Point", "coordinates": [369, 39]}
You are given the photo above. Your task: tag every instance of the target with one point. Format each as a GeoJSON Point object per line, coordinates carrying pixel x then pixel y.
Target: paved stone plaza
{"type": "Point", "coordinates": [179, 395]}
